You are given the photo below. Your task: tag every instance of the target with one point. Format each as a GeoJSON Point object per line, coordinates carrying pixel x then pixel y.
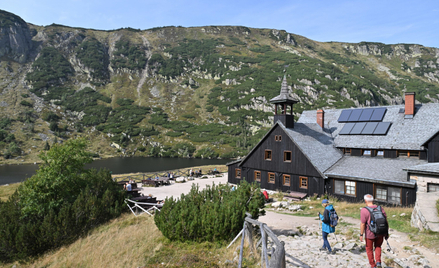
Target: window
{"type": "Point", "coordinates": [408, 153]}
{"type": "Point", "coordinates": [287, 180]}
{"type": "Point", "coordinates": [257, 176]}
{"type": "Point", "coordinates": [303, 182]}
{"type": "Point", "coordinates": [381, 193]}
{"type": "Point", "coordinates": [271, 177]}
{"type": "Point", "coordinates": [267, 155]}
{"type": "Point", "coordinates": [338, 187]}
{"type": "Point", "coordinates": [237, 173]}
{"type": "Point", "coordinates": [350, 188]}
{"type": "Point", "coordinates": [345, 187]}
{"type": "Point", "coordinates": [432, 187]}
{"type": "Point", "coordinates": [366, 152]}
{"type": "Point", "coordinates": [380, 153]}
{"type": "Point", "coordinates": [287, 156]}
{"type": "Point", "coordinates": [278, 137]}
{"type": "Point", "coordinates": [394, 195]}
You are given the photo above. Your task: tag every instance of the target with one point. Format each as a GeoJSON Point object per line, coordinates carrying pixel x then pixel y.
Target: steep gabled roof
{"type": "Point", "coordinates": [374, 169]}
{"type": "Point", "coordinates": [312, 141]}
{"type": "Point", "coordinates": [316, 144]}
{"type": "Point", "coordinates": [404, 134]}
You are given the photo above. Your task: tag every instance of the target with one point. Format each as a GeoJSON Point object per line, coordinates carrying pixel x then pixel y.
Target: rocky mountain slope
{"type": "Point", "coordinates": [184, 92]}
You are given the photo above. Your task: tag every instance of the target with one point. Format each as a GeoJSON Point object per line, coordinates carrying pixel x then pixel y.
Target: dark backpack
{"type": "Point", "coordinates": [378, 222]}
{"type": "Point", "coordinates": [333, 218]}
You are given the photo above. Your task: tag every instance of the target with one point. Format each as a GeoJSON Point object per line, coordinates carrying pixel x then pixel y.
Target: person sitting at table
{"type": "Point", "coordinates": [200, 172]}
{"type": "Point", "coordinates": [127, 186]}
{"type": "Point", "coordinates": [191, 173]}
{"type": "Point", "coordinates": [171, 176]}
{"type": "Point", "coordinates": [131, 180]}
{"type": "Point", "coordinates": [156, 177]}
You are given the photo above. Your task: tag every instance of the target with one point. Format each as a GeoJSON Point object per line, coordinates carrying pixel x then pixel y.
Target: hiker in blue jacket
{"type": "Point", "coordinates": [326, 228]}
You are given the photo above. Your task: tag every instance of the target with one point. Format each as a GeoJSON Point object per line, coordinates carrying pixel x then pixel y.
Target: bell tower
{"type": "Point", "coordinates": [283, 106]}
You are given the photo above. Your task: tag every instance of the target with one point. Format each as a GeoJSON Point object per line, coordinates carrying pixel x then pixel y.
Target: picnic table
{"type": "Point", "coordinates": [156, 182]}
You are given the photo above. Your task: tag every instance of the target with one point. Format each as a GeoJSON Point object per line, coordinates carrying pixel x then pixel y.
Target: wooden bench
{"type": "Point", "coordinates": [295, 196]}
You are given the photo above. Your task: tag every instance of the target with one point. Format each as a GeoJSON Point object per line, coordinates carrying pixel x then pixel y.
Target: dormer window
{"type": "Point", "coordinates": [380, 153]}
{"type": "Point", "coordinates": [408, 153]}
{"type": "Point", "coordinates": [367, 152]}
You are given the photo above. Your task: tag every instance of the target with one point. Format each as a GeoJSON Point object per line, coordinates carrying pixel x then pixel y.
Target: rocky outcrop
{"type": "Point", "coordinates": [15, 38]}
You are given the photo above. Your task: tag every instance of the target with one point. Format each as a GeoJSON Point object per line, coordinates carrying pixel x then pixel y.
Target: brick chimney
{"type": "Point", "coordinates": [321, 118]}
{"type": "Point", "coordinates": [409, 105]}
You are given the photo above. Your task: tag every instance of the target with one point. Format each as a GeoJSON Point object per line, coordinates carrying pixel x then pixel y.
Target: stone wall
{"type": "Point", "coordinates": [423, 180]}
{"type": "Point", "coordinates": [425, 214]}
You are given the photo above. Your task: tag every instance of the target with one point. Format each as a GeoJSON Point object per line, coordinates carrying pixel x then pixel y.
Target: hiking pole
{"type": "Point", "coordinates": [389, 249]}
{"type": "Point", "coordinates": [336, 237]}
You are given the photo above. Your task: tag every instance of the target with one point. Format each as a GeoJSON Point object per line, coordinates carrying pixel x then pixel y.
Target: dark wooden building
{"type": "Point", "coordinates": [346, 153]}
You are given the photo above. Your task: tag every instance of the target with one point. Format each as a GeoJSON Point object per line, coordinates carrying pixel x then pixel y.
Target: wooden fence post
{"type": "Point", "coordinates": [241, 252]}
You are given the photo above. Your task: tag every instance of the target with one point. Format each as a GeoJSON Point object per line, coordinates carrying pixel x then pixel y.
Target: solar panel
{"type": "Point", "coordinates": [356, 130]}
{"type": "Point", "coordinates": [346, 129]}
{"type": "Point", "coordinates": [355, 115]}
{"type": "Point", "coordinates": [382, 128]}
{"type": "Point", "coordinates": [344, 116]}
{"type": "Point", "coordinates": [369, 128]}
{"type": "Point", "coordinates": [366, 114]}
{"type": "Point", "coordinates": [378, 114]}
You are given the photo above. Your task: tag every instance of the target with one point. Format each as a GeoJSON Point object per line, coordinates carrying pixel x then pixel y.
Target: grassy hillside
{"type": "Point", "coordinates": [189, 92]}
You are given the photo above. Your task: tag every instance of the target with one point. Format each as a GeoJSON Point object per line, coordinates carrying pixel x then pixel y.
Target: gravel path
{"type": "Point", "coordinates": [302, 249]}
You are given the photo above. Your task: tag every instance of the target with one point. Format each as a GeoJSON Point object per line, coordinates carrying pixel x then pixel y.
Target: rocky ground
{"type": "Point", "coordinates": [302, 237]}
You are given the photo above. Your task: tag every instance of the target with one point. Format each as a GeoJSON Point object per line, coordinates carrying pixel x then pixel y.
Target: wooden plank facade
{"type": "Point", "coordinates": [278, 164]}
{"type": "Point", "coordinates": [433, 149]}
{"type": "Point", "coordinates": [404, 196]}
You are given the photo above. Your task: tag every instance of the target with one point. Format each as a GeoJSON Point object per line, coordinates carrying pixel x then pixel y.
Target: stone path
{"type": "Point", "coordinates": [302, 237]}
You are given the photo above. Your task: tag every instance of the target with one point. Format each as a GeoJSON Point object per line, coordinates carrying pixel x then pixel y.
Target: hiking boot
{"type": "Point", "coordinates": [331, 252]}
{"type": "Point", "coordinates": [322, 249]}
{"type": "Point", "coordinates": [378, 264]}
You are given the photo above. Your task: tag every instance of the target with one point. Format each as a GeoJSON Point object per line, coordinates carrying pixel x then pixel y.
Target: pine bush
{"type": "Point", "coordinates": [214, 214]}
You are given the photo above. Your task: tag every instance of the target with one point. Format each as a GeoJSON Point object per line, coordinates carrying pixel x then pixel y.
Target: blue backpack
{"type": "Point", "coordinates": [333, 218]}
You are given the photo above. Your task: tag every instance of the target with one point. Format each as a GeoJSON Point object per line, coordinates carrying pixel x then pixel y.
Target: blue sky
{"type": "Point", "coordinates": [385, 21]}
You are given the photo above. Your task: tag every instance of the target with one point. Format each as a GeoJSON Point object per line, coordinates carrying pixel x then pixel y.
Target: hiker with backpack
{"type": "Point", "coordinates": [329, 221]}
{"type": "Point", "coordinates": [374, 225]}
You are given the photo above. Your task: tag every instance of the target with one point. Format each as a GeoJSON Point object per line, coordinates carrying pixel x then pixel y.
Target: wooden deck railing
{"type": "Point", "coordinates": [277, 259]}
{"type": "Point", "coordinates": [183, 172]}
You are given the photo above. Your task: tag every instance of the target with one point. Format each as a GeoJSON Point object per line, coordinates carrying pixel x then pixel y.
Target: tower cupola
{"type": "Point", "coordinates": [283, 106]}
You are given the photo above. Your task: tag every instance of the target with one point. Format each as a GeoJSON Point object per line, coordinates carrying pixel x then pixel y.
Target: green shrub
{"type": "Point", "coordinates": [214, 214]}
{"type": "Point", "coordinates": [50, 69]}
{"type": "Point", "coordinates": [62, 202]}
{"type": "Point", "coordinates": [25, 95]}
{"type": "Point", "coordinates": [26, 103]}
{"type": "Point", "coordinates": [51, 117]}
{"type": "Point", "coordinates": [93, 55]}
{"type": "Point", "coordinates": [206, 153]}
{"type": "Point", "coordinates": [174, 134]}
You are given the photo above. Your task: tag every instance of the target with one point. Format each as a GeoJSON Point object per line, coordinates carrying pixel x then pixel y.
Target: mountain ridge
{"type": "Point", "coordinates": [184, 92]}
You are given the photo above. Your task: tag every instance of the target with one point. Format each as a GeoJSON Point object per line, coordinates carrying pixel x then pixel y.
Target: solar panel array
{"type": "Point", "coordinates": [364, 121]}
{"type": "Point", "coordinates": [366, 128]}
{"type": "Point", "coordinates": [362, 115]}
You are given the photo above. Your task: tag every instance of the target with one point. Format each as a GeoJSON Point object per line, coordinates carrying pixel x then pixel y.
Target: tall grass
{"type": "Point", "coordinates": [7, 190]}
{"type": "Point", "coordinates": [130, 241]}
